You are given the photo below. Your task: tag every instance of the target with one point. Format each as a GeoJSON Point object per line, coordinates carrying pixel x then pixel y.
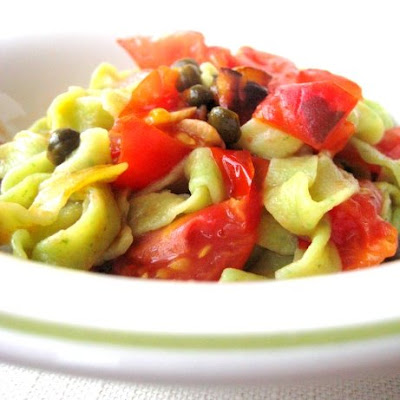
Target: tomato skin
{"type": "Point", "coordinates": [237, 170]}
{"type": "Point", "coordinates": [149, 152]}
{"type": "Point", "coordinates": [315, 75]}
{"type": "Point", "coordinates": [197, 246]}
{"type": "Point", "coordinates": [361, 236]}
{"type": "Point", "coordinates": [314, 112]}
{"type": "Point", "coordinates": [281, 69]}
{"type": "Point", "coordinates": [220, 57]}
{"type": "Point", "coordinates": [149, 53]}
{"type": "Point", "coordinates": [390, 143]}
{"type": "Point", "coordinates": [261, 166]}
{"type": "Point", "coordinates": [201, 245]}
{"type": "Point", "coordinates": [156, 90]}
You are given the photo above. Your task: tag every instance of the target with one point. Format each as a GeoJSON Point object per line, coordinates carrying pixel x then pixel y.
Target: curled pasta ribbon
{"type": "Point", "coordinates": [373, 156]}
{"type": "Point", "coordinates": [114, 87]}
{"type": "Point", "coordinates": [56, 191]}
{"type": "Point", "coordinates": [24, 240]}
{"type": "Point", "coordinates": [391, 203]}
{"type": "Point", "coordinates": [53, 194]}
{"type": "Point", "coordinates": [107, 76]}
{"type": "Point", "coordinates": [83, 242]}
{"type": "Point", "coordinates": [321, 256]}
{"type": "Point", "coordinates": [265, 262]}
{"type": "Point", "coordinates": [25, 145]}
{"type": "Point", "coordinates": [98, 106]}
{"type": "Point", "coordinates": [94, 149]}
{"type": "Point", "coordinates": [274, 237]}
{"type": "Point", "coordinates": [300, 190]}
{"type": "Point", "coordinates": [237, 275]}
{"type": "Point", "coordinates": [203, 172]}
{"type": "Point", "coordinates": [267, 142]}
{"type": "Point", "coordinates": [13, 216]}
{"type": "Point", "coordinates": [38, 163]}
{"type": "Point", "coordinates": [78, 109]}
{"type": "Point", "coordinates": [370, 121]}
{"type": "Point", "coordinates": [24, 192]}
{"type": "Point", "coordinates": [152, 211]}
{"type": "Point", "coordinates": [124, 238]}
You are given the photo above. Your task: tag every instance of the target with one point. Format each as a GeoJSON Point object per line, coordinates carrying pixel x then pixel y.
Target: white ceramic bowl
{"type": "Point", "coordinates": [135, 330]}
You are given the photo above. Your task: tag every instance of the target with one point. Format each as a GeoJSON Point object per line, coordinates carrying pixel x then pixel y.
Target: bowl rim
{"type": "Point", "coordinates": [75, 320]}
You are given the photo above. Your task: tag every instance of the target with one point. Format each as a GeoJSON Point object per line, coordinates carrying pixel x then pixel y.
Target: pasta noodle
{"type": "Point", "coordinates": [302, 190]}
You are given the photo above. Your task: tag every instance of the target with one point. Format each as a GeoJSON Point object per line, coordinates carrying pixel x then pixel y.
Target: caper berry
{"type": "Point", "coordinates": [185, 61]}
{"type": "Point", "coordinates": [198, 95]}
{"type": "Point", "coordinates": [226, 122]}
{"type": "Point", "coordinates": [189, 75]}
{"type": "Point", "coordinates": [61, 144]}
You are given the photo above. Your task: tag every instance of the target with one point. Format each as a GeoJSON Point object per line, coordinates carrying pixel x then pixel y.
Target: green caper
{"type": "Point", "coordinates": [185, 61]}
{"type": "Point", "coordinates": [198, 95]}
{"type": "Point", "coordinates": [226, 122]}
{"type": "Point", "coordinates": [61, 144]}
{"type": "Point", "coordinates": [189, 75]}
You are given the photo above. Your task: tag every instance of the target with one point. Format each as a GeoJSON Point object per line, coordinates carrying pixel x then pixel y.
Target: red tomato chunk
{"type": "Point", "coordinates": [198, 246]}
{"type": "Point", "coordinates": [362, 237]}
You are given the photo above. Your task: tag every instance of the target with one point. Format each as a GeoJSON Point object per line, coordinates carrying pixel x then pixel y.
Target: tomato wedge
{"type": "Point", "coordinates": [149, 53]}
{"type": "Point", "coordinates": [315, 75]}
{"type": "Point", "coordinates": [198, 246]}
{"type": "Point", "coordinates": [281, 69]}
{"type": "Point", "coordinates": [362, 237]}
{"type": "Point", "coordinates": [237, 169]}
{"type": "Point", "coordinates": [149, 152]}
{"type": "Point", "coordinates": [157, 90]}
{"type": "Point", "coordinates": [220, 57]}
{"type": "Point", "coordinates": [314, 112]}
{"type": "Point", "coordinates": [390, 143]}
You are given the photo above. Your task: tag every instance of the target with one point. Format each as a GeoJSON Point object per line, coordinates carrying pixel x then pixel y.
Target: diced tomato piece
{"type": "Point", "coordinates": [149, 152]}
{"type": "Point", "coordinates": [197, 246]}
{"type": "Point", "coordinates": [281, 69]}
{"type": "Point", "coordinates": [261, 166]}
{"type": "Point", "coordinates": [220, 57]}
{"type": "Point", "coordinates": [237, 169]}
{"type": "Point", "coordinates": [390, 143]}
{"type": "Point", "coordinates": [149, 53]}
{"type": "Point", "coordinates": [314, 112]}
{"type": "Point", "coordinates": [361, 236]}
{"type": "Point", "coordinates": [338, 137]}
{"type": "Point", "coordinates": [315, 75]}
{"type": "Point", "coordinates": [157, 90]}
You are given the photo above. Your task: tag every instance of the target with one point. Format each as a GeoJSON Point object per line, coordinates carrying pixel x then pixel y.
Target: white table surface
{"type": "Point", "coordinates": [368, 27]}
{"type": "Point", "coordinates": [18, 383]}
